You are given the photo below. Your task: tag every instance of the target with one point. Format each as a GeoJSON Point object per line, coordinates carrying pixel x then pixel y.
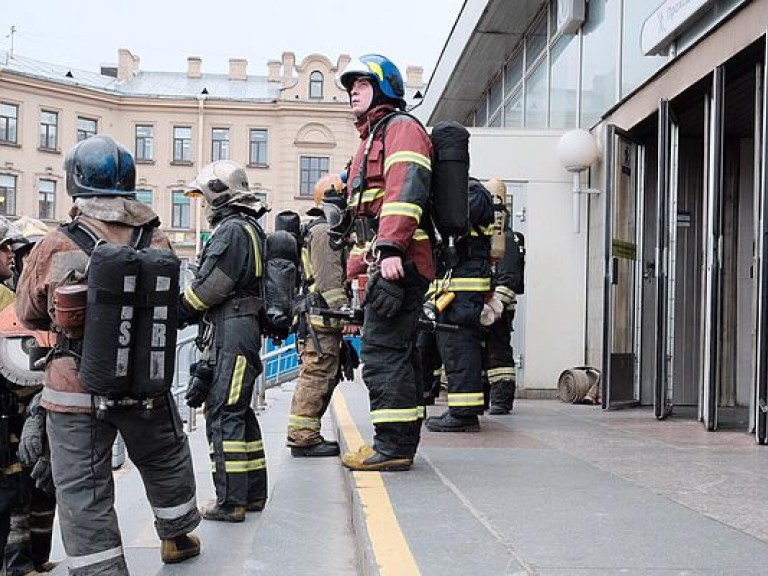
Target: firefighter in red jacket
{"type": "Point", "coordinates": [389, 181]}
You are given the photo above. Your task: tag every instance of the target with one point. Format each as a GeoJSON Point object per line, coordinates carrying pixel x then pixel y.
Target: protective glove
{"type": "Point", "coordinates": [31, 442]}
{"type": "Point", "coordinates": [201, 378]}
{"type": "Point", "coordinates": [42, 474]}
{"type": "Point", "coordinates": [348, 361]}
{"type": "Point", "coordinates": [492, 311]}
{"type": "Point", "coordinates": [383, 296]}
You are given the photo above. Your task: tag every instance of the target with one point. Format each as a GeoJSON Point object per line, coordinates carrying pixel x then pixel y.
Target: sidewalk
{"type": "Point", "coordinates": [556, 489]}
{"type": "Point", "coordinates": [552, 490]}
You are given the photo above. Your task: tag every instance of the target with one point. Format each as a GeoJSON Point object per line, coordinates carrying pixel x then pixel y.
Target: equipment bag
{"type": "Point", "coordinates": [129, 340]}
{"type": "Point", "coordinates": [281, 276]}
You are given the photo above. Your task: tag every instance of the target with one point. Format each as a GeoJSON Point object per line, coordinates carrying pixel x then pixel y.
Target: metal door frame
{"type": "Point", "coordinates": [613, 134]}
{"type": "Point", "coordinates": [760, 402]}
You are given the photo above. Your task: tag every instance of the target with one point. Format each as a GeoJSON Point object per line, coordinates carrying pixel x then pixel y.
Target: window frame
{"type": "Point", "coordinates": [46, 198]}
{"type": "Point", "coordinates": [316, 81]}
{"type": "Point", "coordinates": [219, 145]}
{"type": "Point", "coordinates": [49, 131]}
{"type": "Point", "coordinates": [180, 210]}
{"type": "Point", "coordinates": [180, 141]}
{"type": "Point", "coordinates": [256, 161]}
{"type": "Point", "coordinates": [9, 124]}
{"type": "Point", "coordinates": [85, 134]}
{"type": "Point", "coordinates": [149, 191]}
{"type": "Point", "coordinates": [309, 176]}
{"type": "Point", "coordinates": [4, 193]}
{"type": "Point", "coordinates": [147, 144]}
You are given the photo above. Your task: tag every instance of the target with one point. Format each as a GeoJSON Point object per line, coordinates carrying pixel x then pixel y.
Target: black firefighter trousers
{"type": "Point", "coordinates": [81, 458]}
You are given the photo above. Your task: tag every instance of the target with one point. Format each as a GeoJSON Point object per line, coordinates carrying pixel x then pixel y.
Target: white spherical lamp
{"type": "Point", "coordinates": [577, 150]}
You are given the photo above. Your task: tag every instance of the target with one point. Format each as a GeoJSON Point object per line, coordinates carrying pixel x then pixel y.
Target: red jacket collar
{"type": "Point", "coordinates": [370, 118]}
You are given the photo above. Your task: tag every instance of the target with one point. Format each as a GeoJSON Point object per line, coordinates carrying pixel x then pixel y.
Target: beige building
{"type": "Point", "coordinates": [287, 127]}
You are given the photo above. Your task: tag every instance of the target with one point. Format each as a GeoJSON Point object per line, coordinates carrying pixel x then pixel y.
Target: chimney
{"type": "Point", "coordinates": [238, 69]}
{"type": "Point", "coordinates": [274, 70]}
{"type": "Point", "coordinates": [127, 65]}
{"type": "Point", "coordinates": [289, 61]}
{"type": "Point", "coordinates": [342, 63]}
{"type": "Point", "coordinates": [194, 66]}
{"type": "Point", "coordinates": [413, 76]}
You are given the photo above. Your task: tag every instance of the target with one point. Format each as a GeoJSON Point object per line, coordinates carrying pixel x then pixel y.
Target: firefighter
{"type": "Point", "coordinates": [226, 297]}
{"type": "Point", "coordinates": [320, 339]}
{"type": "Point", "coordinates": [389, 182]}
{"type": "Point", "coordinates": [461, 351]}
{"type": "Point", "coordinates": [508, 282]}
{"type": "Point", "coordinates": [100, 177]}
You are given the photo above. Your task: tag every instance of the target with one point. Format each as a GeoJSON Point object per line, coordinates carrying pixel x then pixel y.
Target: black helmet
{"type": "Point", "coordinates": [100, 166]}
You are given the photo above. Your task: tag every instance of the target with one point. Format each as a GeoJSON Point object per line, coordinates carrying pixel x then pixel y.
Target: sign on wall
{"type": "Point", "coordinates": [667, 22]}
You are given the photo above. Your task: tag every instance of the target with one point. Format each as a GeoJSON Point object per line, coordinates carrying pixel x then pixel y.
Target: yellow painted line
{"type": "Point", "coordinates": [390, 548]}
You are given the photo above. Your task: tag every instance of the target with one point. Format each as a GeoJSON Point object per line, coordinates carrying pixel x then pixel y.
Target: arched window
{"type": "Point", "coordinates": [316, 84]}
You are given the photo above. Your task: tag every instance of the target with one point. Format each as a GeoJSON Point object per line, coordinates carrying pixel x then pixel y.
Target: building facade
{"type": "Point", "coordinates": [288, 128]}
{"type": "Point", "coordinates": [673, 287]}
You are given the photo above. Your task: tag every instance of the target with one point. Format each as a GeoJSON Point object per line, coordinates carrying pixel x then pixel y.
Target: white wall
{"type": "Point", "coordinates": [555, 266]}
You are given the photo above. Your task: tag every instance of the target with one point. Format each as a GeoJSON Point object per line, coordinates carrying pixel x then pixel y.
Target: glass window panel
{"type": "Point", "coordinates": [535, 43]}
{"type": "Point", "coordinates": [9, 117]}
{"type": "Point", "coordinates": [564, 82]}
{"type": "Point", "coordinates": [219, 144]}
{"type": "Point", "coordinates": [49, 130]}
{"type": "Point", "coordinates": [46, 199]}
{"type": "Point", "coordinates": [7, 194]}
{"type": "Point", "coordinates": [182, 144]}
{"type": "Point", "coordinates": [179, 209]}
{"type": "Point", "coordinates": [316, 84]}
{"type": "Point", "coordinates": [495, 95]}
{"type": "Point", "coordinates": [635, 66]}
{"type": "Point", "coordinates": [144, 196]}
{"type": "Point", "coordinates": [258, 144]}
{"type": "Point", "coordinates": [600, 37]}
{"type": "Point", "coordinates": [536, 97]}
{"type": "Point", "coordinates": [311, 168]}
{"type": "Point", "coordinates": [513, 110]}
{"type": "Point", "coordinates": [144, 142]}
{"type": "Point", "coordinates": [495, 122]}
{"type": "Point", "coordinates": [513, 72]}
{"type": "Point", "coordinates": [481, 112]}
{"type": "Point", "coordinates": [86, 127]}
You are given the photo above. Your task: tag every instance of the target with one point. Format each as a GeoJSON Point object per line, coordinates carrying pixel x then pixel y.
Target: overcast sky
{"type": "Point", "coordinates": [86, 33]}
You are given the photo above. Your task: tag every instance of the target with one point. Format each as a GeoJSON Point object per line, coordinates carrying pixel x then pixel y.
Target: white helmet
{"type": "Point", "coordinates": [223, 183]}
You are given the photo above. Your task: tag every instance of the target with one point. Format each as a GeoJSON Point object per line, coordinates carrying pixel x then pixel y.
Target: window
{"type": "Point", "coordinates": [7, 194]}
{"type": "Point", "coordinates": [144, 142]}
{"type": "Point", "coordinates": [316, 84]}
{"type": "Point", "coordinates": [311, 169]}
{"type": "Point", "coordinates": [258, 154]}
{"type": "Point", "coordinates": [145, 196]}
{"type": "Point", "coordinates": [179, 209]}
{"type": "Point", "coordinates": [219, 144]}
{"type": "Point", "coordinates": [49, 125]}
{"type": "Point", "coordinates": [182, 144]}
{"type": "Point", "coordinates": [86, 127]}
{"type": "Point", "coordinates": [9, 118]}
{"type": "Point", "coordinates": [46, 194]}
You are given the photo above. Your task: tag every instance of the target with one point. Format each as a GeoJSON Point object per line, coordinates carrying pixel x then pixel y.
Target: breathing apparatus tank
{"type": "Point", "coordinates": [498, 191]}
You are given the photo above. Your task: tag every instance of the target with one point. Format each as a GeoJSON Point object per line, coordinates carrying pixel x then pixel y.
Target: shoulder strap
{"type": "Point", "coordinates": [81, 235]}
{"type": "Point", "coordinates": [142, 236]}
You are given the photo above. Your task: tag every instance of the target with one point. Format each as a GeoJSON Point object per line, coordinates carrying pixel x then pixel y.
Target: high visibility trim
{"type": "Point", "coordinates": [501, 374]}
{"type": "Point", "coordinates": [236, 385]}
{"type": "Point", "coordinates": [79, 399]}
{"type": "Point", "coordinates": [306, 265]}
{"type": "Point", "coordinates": [14, 468]}
{"type": "Point", "coordinates": [303, 422]}
{"type": "Point", "coordinates": [396, 415]}
{"type": "Point", "coordinates": [174, 512]}
{"type": "Point", "coordinates": [506, 294]}
{"type": "Point", "coordinates": [484, 231]}
{"type": "Point", "coordinates": [401, 209]}
{"type": "Point", "coordinates": [420, 235]}
{"type": "Point", "coordinates": [318, 321]}
{"type": "Point", "coordinates": [407, 156]}
{"type": "Point", "coordinates": [334, 296]}
{"type": "Point", "coordinates": [256, 250]}
{"type": "Point", "coordinates": [239, 466]}
{"type": "Point", "coordinates": [466, 399]}
{"type": "Point", "coordinates": [194, 300]}
{"type": "Point", "coordinates": [96, 558]}
{"type": "Point", "coordinates": [369, 196]}
{"type": "Point", "coordinates": [469, 284]}
{"type": "Point", "coordinates": [254, 446]}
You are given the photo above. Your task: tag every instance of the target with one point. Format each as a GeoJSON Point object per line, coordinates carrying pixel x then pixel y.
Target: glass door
{"type": "Point", "coordinates": [623, 258]}
{"type": "Point", "coordinates": [666, 250]}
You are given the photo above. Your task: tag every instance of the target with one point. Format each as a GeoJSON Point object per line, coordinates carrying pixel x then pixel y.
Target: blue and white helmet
{"type": "Point", "coordinates": [380, 70]}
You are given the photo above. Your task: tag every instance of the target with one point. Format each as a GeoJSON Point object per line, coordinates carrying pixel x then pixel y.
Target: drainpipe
{"type": "Point", "coordinates": [199, 198]}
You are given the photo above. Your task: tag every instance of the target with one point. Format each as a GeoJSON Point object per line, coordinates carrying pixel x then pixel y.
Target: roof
{"type": "Point", "coordinates": [145, 84]}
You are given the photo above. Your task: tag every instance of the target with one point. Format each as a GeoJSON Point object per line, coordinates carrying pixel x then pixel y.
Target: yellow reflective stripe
{"type": "Point", "coordinates": [236, 385]}
{"type": "Point", "coordinates": [503, 373]}
{"type": "Point", "coordinates": [306, 264]}
{"type": "Point", "coordinates": [244, 466]}
{"type": "Point", "coordinates": [420, 235]}
{"type": "Point", "coordinates": [396, 415]}
{"type": "Point", "coordinates": [256, 251]}
{"type": "Point", "coordinates": [254, 446]}
{"type": "Point", "coordinates": [469, 284]}
{"type": "Point", "coordinates": [407, 156]}
{"type": "Point", "coordinates": [368, 196]}
{"type": "Point", "coordinates": [318, 321]}
{"type": "Point", "coordinates": [238, 446]}
{"type": "Point", "coordinates": [401, 209]}
{"type": "Point", "coordinates": [465, 399]}
{"type": "Point", "coordinates": [505, 294]}
{"type": "Point", "coordinates": [193, 299]}
{"type": "Point", "coordinates": [334, 296]}
{"type": "Point", "coordinates": [303, 422]}
{"type": "Point", "coordinates": [484, 230]}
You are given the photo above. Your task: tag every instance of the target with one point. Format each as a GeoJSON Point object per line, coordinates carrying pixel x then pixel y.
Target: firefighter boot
{"type": "Point", "coordinates": [256, 505]}
{"type": "Point", "coordinates": [323, 448]}
{"type": "Point", "coordinates": [367, 459]}
{"type": "Point", "coordinates": [450, 423]}
{"type": "Point", "coordinates": [213, 511]}
{"type": "Point", "coordinates": [180, 548]}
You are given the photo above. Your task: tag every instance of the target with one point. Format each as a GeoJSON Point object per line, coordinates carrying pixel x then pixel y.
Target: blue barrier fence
{"type": "Point", "coordinates": [285, 365]}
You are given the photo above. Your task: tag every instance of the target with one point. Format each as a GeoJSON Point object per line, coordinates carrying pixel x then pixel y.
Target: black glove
{"type": "Point", "coordinates": [383, 296]}
{"type": "Point", "coordinates": [348, 361]}
{"type": "Point", "coordinates": [31, 441]}
{"type": "Point", "coordinates": [200, 380]}
{"type": "Point", "coordinates": [42, 474]}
